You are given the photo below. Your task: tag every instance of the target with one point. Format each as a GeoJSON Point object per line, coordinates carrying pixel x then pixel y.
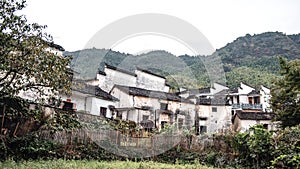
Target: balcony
{"type": "Point", "coordinates": [247, 106]}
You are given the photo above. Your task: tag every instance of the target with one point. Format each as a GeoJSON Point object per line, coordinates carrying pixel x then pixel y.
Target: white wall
{"type": "Point", "coordinates": [116, 77]}
{"type": "Point", "coordinates": [89, 103]}
{"type": "Point", "coordinates": [149, 81]}
{"type": "Point", "coordinates": [215, 120]}
{"type": "Point", "coordinates": [97, 103]}
{"type": "Point", "coordinates": [265, 99]}
{"type": "Point", "coordinates": [125, 100]}
{"type": "Point", "coordinates": [217, 88]}
{"type": "Point", "coordinates": [246, 124]}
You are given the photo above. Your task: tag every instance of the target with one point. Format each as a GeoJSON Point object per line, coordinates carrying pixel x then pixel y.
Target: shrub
{"type": "Point", "coordinates": [287, 148]}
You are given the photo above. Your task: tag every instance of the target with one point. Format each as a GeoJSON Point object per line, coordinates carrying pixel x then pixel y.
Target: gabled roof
{"type": "Point", "coordinates": [254, 93]}
{"type": "Point", "coordinates": [254, 115]}
{"type": "Point", "coordinates": [92, 90]}
{"type": "Point", "coordinates": [119, 70]}
{"type": "Point", "coordinates": [227, 92]}
{"type": "Point", "coordinates": [151, 94]}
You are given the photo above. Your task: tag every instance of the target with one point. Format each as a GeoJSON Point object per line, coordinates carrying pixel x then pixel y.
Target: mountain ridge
{"type": "Point", "coordinates": [250, 58]}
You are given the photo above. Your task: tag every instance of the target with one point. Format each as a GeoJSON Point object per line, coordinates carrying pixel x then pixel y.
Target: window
{"type": "Point", "coordinates": [256, 100]}
{"type": "Point", "coordinates": [214, 109]}
{"type": "Point", "coordinates": [250, 100]}
{"type": "Point", "coordinates": [180, 123]}
{"type": "Point", "coordinates": [203, 129]}
{"type": "Point", "coordinates": [265, 126]}
{"type": "Point", "coordinates": [163, 106]}
{"type": "Point", "coordinates": [145, 117]}
{"type": "Point", "coordinates": [68, 106]}
{"type": "Point", "coordinates": [103, 111]}
{"type": "Point", "coordinates": [119, 115]}
{"type": "Point", "coordinates": [163, 124]}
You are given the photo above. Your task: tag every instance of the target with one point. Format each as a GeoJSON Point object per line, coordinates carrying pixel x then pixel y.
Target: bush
{"type": "Point", "coordinates": [31, 147]}
{"type": "Point", "coordinates": [287, 148]}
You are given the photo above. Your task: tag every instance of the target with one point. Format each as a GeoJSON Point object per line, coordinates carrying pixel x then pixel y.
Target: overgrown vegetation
{"type": "Point", "coordinates": [257, 148]}
{"type": "Point", "coordinates": [286, 94]}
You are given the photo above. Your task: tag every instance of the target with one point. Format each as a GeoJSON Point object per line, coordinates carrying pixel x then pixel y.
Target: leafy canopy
{"type": "Point", "coordinates": [26, 60]}
{"type": "Point", "coordinates": [286, 94]}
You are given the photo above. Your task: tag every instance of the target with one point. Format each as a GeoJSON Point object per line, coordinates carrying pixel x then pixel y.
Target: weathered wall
{"type": "Point", "coordinates": [149, 81]}
{"type": "Point", "coordinates": [116, 77]}
{"type": "Point", "coordinates": [216, 121]}
{"type": "Point", "coordinates": [97, 103]}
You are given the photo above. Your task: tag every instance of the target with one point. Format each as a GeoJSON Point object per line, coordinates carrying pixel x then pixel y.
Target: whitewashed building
{"type": "Point", "coordinates": [160, 108]}
{"type": "Point", "coordinates": [90, 99]}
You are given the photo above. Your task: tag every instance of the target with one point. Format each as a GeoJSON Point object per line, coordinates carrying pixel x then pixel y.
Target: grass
{"type": "Point", "coordinates": [84, 164]}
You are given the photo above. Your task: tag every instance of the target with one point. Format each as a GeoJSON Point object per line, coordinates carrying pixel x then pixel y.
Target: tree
{"type": "Point", "coordinates": [26, 61]}
{"type": "Point", "coordinates": [285, 93]}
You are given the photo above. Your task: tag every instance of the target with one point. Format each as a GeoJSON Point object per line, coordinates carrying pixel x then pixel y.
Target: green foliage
{"type": "Point", "coordinates": [257, 149]}
{"type": "Point", "coordinates": [240, 147]}
{"type": "Point", "coordinates": [287, 148]}
{"type": "Point", "coordinates": [248, 75]}
{"type": "Point", "coordinates": [30, 147]}
{"type": "Point", "coordinates": [286, 94]}
{"type": "Point", "coordinates": [26, 62]}
{"type": "Point", "coordinates": [260, 147]}
{"type": "Point", "coordinates": [63, 120]}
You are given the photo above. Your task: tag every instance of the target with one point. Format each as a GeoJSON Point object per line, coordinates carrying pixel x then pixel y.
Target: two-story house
{"type": "Point", "coordinates": [162, 108]}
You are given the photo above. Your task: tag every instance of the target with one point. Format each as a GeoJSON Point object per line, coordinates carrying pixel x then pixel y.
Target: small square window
{"type": "Point", "coordinates": [203, 129]}
{"type": "Point", "coordinates": [145, 117]}
{"type": "Point", "coordinates": [103, 111]}
{"type": "Point", "coordinates": [180, 123]}
{"type": "Point", "coordinates": [214, 109]}
{"type": "Point", "coordinates": [163, 106]}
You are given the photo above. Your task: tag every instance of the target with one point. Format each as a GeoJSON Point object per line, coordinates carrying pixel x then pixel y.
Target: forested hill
{"type": "Point", "coordinates": [251, 59]}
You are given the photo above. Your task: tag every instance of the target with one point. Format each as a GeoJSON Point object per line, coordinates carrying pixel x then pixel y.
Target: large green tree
{"type": "Point", "coordinates": [26, 63]}
{"type": "Point", "coordinates": [286, 93]}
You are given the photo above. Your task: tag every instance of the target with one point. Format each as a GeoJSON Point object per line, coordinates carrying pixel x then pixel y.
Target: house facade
{"type": "Point", "coordinates": [89, 99]}
{"type": "Point", "coordinates": [162, 108]}
{"type": "Point", "coordinates": [244, 120]}
{"type": "Point", "coordinates": [213, 111]}
{"type": "Point", "coordinates": [140, 78]}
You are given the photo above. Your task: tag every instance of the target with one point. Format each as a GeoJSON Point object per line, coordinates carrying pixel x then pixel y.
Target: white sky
{"type": "Point", "coordinates": [73, 23]}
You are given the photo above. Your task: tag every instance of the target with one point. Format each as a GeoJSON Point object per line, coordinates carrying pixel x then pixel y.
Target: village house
{"type": "Point", "coordinates": [89, 99]}
{"type": "Point", "coordinates": [140, 78]}
{"type": "Point", "coordinates": [249, 107]}
{"type": "Point", "coordinates": [143, 97]}
{"type": "Point", "coordinates": [213, 110]}
{"type": "Point", "coordinates": [157, 107]}
{"type": "Point", "coordinates": [243, 120]}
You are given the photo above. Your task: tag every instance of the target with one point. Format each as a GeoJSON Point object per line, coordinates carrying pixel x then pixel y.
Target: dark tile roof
{"type": "Point", "coordinates": [152, 94]}
{"type": "Point", "coordinates": [212, 101]}
{"type": "Point", "coordinates": [101, 72]}
{"type": "Point", "coordinates": [93, 90]}
{"type": "Point", "coordinates": [56, 46]}
{"type": "Point", "coordinates": [254, 92]}
{"type": "Point", "coordinates": [254, 115]}
{"type": "Point", "coordinates": [196, 91]}
{"type": "Point", "coordinates": [151, 73]}
{"type": "Point", "coordinates": [227, 91]}
{"type": "Point", "coordinates": [119, 70]}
